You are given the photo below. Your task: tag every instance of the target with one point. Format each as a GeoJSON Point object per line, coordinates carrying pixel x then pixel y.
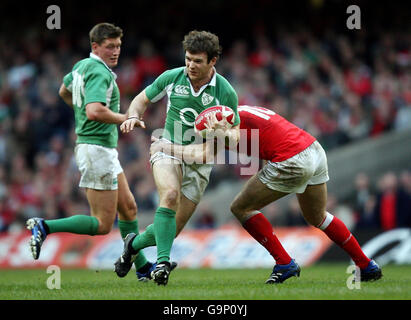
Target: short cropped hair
{"type": "Point", "coordinates": [202, 41]}
{"type": "Point", "coordinates": [103, 31]}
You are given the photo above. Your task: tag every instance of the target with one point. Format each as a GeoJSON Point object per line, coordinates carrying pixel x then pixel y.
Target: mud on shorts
{"type": "Point", "coordinates": [99, 166]}
{"type": "Point", "coordinates": [195, 176]}
{"type": "Point", "coordinates": [309, 167]}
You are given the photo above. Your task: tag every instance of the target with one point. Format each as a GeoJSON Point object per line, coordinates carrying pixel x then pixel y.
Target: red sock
{"type": "Point", "coordinates": [261, 230]}
{"type": "Point", "coordinates": [336, 230]}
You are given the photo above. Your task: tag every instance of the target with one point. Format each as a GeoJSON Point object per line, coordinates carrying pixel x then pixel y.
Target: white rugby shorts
{"type": "Point", "coordinates": [99, 166]}
{"type": "Point", "coordinates": [195, 176]}
{"type": "Point", "coordinates": [309, 167]}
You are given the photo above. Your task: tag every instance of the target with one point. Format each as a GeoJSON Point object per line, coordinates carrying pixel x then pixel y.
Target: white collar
{"type": "Point", "coordinates": [212, 82]}
{"type": "Point", "coordinates": [96, 57]}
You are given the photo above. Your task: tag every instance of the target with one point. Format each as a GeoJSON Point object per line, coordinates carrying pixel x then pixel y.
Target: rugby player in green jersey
{"type": "Point", "coordinates": [91, 90]}
{"type": "Point", "coordinates": [189, 89]}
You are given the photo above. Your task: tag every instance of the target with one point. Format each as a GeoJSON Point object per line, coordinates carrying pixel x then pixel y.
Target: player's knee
{"type": "Point", "coordinates": [104, 225]}
{"type": "Point", "coordinates": [314, 219]}
{"type": "Point", "coordinates": [131, 210]}
{"type": "Point", "coordinates": [237, 209]}
{"type": "Point", "coordinates": [171, 198]}
{"type": "Point", "coordinates": [104, 228]}
{"type": "Point", "coordinates": [127, 208]}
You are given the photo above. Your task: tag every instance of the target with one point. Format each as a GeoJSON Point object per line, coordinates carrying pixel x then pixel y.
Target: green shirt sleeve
{"type": "Point", "coordinates": [158, 88]}
{"type": "Point", "coordinates": [96, 87]}
{"type": "Point", "coordinates": [68, 80]}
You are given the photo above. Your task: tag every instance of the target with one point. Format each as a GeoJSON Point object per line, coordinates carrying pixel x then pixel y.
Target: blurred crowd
{"type": "Point", "coordinates": [338, 87]}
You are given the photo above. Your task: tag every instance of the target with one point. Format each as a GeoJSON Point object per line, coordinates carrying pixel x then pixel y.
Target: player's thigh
{"type": "Point", "coordinates": [254, 196]}
{"type": "Point", "coordinates": [126, 205]}
{"type": "Point", "coordinates": [184, 212]}
{"type": "Point", "coordinates": [103, 205]}
{"type": "Point", "coordinates": [167, 176]}
{"type": "Point", "coordinates": [313, 203]}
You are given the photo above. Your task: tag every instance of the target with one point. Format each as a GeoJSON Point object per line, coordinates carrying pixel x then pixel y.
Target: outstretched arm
{"type": "Point", "coordinates": [135, 113]}
{"type": "Point", "coordinates": [192, 153]}
{"type": "Point", "coordinates": [96, 111]}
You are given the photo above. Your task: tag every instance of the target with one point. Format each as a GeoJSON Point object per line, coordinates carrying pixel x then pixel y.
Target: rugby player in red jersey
{"type": "Point", "coordinates": [295, 163]}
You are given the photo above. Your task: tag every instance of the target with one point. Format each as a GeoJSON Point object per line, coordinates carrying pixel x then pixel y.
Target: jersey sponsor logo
{"type": "Point", "coordinates": [181, 90]}
{"type": "Point", "coordinates": [206, 99]}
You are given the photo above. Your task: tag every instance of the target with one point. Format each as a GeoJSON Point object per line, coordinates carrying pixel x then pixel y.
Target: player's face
{"type": "Point", "coordinates": [197, 66]}
{"type": "Point", "coordinates": [108, 51]}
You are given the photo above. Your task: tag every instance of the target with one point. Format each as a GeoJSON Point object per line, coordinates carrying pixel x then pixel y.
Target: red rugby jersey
{"type": "Point", "coordinates": [278, 139]}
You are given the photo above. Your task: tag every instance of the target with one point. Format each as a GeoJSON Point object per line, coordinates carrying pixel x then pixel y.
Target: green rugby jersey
{"type": "Point", "coordinates": [91, 80]}
{"type": "Point", "coordinates": [184, 105]}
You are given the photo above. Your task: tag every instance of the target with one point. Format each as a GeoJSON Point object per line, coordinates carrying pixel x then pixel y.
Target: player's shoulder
{"type": "Point", "coordinates": [174, 72]}
{"type": "Point", "coordinates": [170, 76]}
{"type": "Point", "coordinates": [222, 83]}
{"type": "Point", "coordinates": [89, 65]}
{"type": "Point", "coordinates": [79, 64]}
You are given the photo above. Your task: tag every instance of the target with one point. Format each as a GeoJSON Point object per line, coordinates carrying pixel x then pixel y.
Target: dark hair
{"type": "Point", "coordinates": [202, 41]}
{"type": "Point", "coordinates": [103, 31]}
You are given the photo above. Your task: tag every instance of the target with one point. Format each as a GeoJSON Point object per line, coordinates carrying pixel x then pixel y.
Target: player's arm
{"type": "Point", "coordinates": [96, 88]}
{"type": "Point", "coordinates": [232, 134]}
{"type": "Point", "coordinates": [232, 137]}
{"type": "Point", "coordinates": [192, 153]}
{"type": "Point", "coordinates": [66, 95]}
{"type": "Point", "coordinates": [135, 113]}
{"type": "Point", "coordinates": [96, 111]}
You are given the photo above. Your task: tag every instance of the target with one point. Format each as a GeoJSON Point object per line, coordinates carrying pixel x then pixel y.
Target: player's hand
{"type": "Point", "coordinates": [215, 127]}
{"type": "Point", "coordinates": [159, 145]}
{"type": "Point", "coordinates": [130, 124]}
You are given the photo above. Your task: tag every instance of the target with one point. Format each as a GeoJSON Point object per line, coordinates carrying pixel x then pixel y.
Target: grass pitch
{"type": "Point", "coordinates": [321, 281]}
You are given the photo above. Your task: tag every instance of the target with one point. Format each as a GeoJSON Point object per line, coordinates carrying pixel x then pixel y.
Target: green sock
{"type": "Point", "coordinates": [80, 224]}
{"type": "Point", "coordinates": [127, 227]}
{"type": "Point", "coordinates": [145, 239]}
{"type": "Point", "coordinates": [165, 232]}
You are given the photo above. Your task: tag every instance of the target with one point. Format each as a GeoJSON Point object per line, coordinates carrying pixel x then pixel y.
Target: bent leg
{"type": "Point", "coordinates": [184, 213]}
{"type": "Point", "coordinates": [126, 204]}
{"type": "Point", "coordinates": [103, 205]}
{"type": "Point", "coordinates": [103, 209]}
{"type": "Point", "coordinates": [254, 196]}
{"type": "Point", "coordinates": [313, 205]}
{"type": "Point", "coordinates": [79, 224]}
{"type": "Point", "coordinates": [127, 215]}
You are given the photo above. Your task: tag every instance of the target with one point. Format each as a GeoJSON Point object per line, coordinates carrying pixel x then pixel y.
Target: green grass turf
{"type": "Point", "coordinates": [321, 281]}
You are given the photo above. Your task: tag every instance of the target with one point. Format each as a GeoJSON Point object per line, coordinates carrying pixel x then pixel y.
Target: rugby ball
{"type": "Point", "coordinates": [219, 112]}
